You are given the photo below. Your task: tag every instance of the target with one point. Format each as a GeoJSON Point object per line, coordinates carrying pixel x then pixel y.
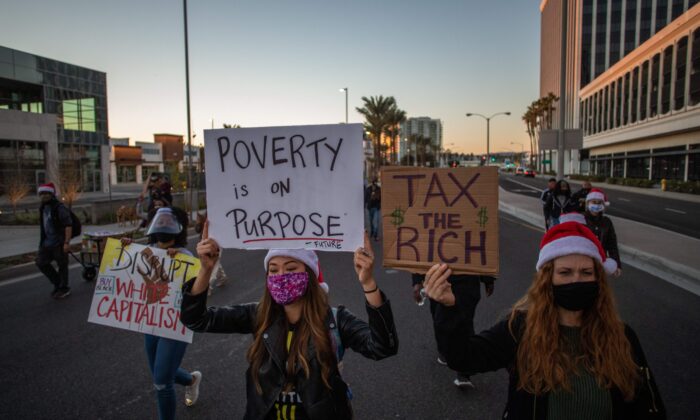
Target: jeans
{"type": "Point", "coordinates": [164, 357]}
{"type": "Point", "coordinates": [373, 222]}
{"type": "Point", "coordinates": [45, 256]}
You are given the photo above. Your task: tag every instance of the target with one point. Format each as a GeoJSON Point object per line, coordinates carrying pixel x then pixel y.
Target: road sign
{"type": "Point", "coordinates": [546, 161]}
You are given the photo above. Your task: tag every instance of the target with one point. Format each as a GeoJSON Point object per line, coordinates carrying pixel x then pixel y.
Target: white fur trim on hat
{"type": "Point", "coordinates": [48, 188]}
{"type": "Point", "coordinates": [566, 246]}
{"type": "Point", "coordinates": [308, 257]}
{"type": "Point", "coordinates": [597, 194]}
{"type": "Point", "coordinates": [572, 217]}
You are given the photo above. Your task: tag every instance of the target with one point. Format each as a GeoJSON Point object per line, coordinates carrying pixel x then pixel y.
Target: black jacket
{"type": "Point", "coordinates": [373, 197]}
{"type": "Point", "coordinates": [60, 218]}
{"type": "Point", "coordinates": [375, 340]}
{"type": "Point", "coordinates": [604, 230]}
{"type": "Point", "coordinates": [497, 348]}
{"type": "Point", "coordinates": [557, 208]}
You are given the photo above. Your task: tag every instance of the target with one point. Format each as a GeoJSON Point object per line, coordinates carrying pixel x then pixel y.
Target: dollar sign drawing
{"type": "Point", "coordinates": [397, 217]}
{"type": "Point", "coordinates": [483, 218]}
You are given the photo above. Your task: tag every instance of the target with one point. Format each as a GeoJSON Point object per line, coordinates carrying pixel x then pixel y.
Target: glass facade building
{"type": "Point", "coordinates": [76, 95]}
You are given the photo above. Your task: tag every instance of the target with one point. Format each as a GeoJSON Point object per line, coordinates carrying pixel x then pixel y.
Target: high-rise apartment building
{"type": "Point", "coordinates": [424, 126]}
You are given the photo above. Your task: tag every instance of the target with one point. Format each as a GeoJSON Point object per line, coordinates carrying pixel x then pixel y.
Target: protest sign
{"type": "Point", "coordinates": [139, 288]}
{"type": "Point", "coordinates": [286, 187]}
{"type": "Point", "coordinates": [445, 215]}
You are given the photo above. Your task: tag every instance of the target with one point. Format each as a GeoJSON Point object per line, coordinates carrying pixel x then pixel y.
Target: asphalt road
{"type": "Point", "coordinates": [56, 365]}
{"type": "Point", "coordinates": [667, 213]}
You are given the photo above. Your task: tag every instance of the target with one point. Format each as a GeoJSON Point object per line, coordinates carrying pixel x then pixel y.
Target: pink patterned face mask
{"type": "Point", "coordinates": [288, 287]}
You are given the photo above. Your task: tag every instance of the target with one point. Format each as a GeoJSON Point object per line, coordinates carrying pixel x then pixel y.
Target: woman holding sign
{"type": "Point", "coordinates": [298, 339]}
{"type": "Point", "coordinates": [568, 354]}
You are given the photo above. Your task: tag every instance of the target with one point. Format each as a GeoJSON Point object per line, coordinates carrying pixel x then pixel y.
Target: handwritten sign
{"type": "Point", "coordinates": [440, 215]}
{"type": "Point", "coordinates": [139, 289]}
{"type": "Point", "coordinates": [286, 187]}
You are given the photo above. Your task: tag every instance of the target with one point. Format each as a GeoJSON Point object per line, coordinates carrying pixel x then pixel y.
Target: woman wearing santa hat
{"type": "Point", "coordinates": [568, 354]}
{"type": "Point", "coordinates": [602, 226]}
{"type": "Point", "coordinates": [298, 339]}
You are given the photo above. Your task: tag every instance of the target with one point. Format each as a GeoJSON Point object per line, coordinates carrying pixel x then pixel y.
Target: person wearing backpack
{"type": "Point", "coordinates": [57, 229]}
{"type": "Point", "coordinates": [293, 360]}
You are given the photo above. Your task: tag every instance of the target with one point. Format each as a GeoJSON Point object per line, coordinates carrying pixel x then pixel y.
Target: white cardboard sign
{"type": "Point", "coordinates": [286, 187]}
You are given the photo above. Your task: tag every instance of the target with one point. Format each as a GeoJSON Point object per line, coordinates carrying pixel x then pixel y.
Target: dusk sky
{"type": "Point", "coordinates": [265, 63]}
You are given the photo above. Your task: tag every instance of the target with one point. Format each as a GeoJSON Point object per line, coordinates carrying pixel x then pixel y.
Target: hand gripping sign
{"type": "Point", "coordinates": [445, 215]}
{"type": "Point", "coordinates": [139, 288]}
{"type": "Point", "coordinates": [286, 187]}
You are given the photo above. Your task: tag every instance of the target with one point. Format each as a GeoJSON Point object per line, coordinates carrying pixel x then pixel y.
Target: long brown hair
{"type": "Point", "coordinates": [543, 364]}
{"type": "Point", "coordinates": [311, 326]}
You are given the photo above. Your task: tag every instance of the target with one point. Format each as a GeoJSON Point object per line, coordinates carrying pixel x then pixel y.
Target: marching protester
{"type": "Point", "coordinates": [56, 227]}
{"type": "Point", "coordinates": [297, 338]}
{"type": "Point", "coordinates": [165, 354]}
{"type": "Point", "coordinates": [459, 318]}
{"type": "Point", "coordinates": [579, 197]}
{"type": "Point", "coordinates": [568, 354]}
{"type": "Point", "coordinates": [544, 198]}
{"type": "Point", "coordinates": [373, 201]}
{"type": "Point", "coordinates": [559, 201]}
{"type": "Point", "coordinates": [602, 226]}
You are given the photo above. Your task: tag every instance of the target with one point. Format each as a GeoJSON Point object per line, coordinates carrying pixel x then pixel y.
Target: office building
{"type": "Point", "coordinates": [427, 127]}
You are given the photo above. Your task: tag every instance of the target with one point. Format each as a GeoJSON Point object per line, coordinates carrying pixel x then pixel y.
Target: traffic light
{"type": "Point", "coordinates": [483, 160]}
{"type": "Point", "coordinates": [493, 158]}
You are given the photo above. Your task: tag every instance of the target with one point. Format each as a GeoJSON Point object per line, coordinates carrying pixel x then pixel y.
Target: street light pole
{"type": "Point", "coordinates": [189, 129]}
{"type": "Point", "coordinates": [488, 131]}
{"type": "Point", "coordinates": [522, 151]}
{"type": "Point", "coordinates": [346, 103]}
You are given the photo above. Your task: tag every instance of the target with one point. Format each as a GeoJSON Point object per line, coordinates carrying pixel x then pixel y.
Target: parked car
{"type": "Point", "coordinates": [520, 171]}
{"type": "Point", "coordinates": [529, 173]}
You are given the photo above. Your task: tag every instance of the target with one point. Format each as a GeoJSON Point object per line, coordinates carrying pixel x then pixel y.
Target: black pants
{"type": "Point", "coordinates": [43, 260]}
{"type": "Point", "coordinates": [458, 319]}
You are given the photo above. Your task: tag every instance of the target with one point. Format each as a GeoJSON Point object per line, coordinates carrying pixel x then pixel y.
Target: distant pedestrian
{"type": "Point", "coordinates": [298, 338]}
{"type": "Point", "coordinates": [567, 353]}
{"type": "Point", "coordinates": [165, 354]}
{"type": "Point", "coordinates": [544, 198]}
{"type": "Point", "coordinates": [458, 318]}
{"type": "Point", "coordinates": [373, 201]}
{"type": "Point", "coordinates": [602, 226]}
{"type": "Point", "coordinates": [559, 202]}
{"type": "Point", "coordinates": [56, 232]}
{"type": "Point", "coordinates": [579, 197]}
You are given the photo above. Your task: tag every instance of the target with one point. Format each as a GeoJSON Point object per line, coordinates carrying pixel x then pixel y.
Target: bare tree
{"type": "Point", "coordinates": [17, 189]}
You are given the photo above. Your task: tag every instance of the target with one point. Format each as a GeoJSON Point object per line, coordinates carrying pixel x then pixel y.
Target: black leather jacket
{"type": "Point", "coordinates": [497, 348]}
{"type": "Point", "coordinates": [604, 230]}
{"type": "Point", "coordinates": [375, 340]}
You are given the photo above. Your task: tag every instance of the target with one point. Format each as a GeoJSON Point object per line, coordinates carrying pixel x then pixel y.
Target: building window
{"type": "Point", "coordinates": [661, 14]}
{"type": "Point", "coordinates": [600, 31]}
{"type": "Point", "coordinates": [626, 99]}
{"type": "Point", "coordinates": [654, 105]}
{"type": "Point", "coordinates": [126, 174]}
{"type": "Point", "coordinates": [618, 165]}
{"type": "Point", "coordinates": [586, 41]}
{"type": "Point", "coordinates": [695, 69]}
{"type": "Point", "coordinates": [694, 162]}
{"type": "Point", "coordinates": [635, 93]}
{"type": "Point", "coordinates": [615, 27]}
{"type": "Point", "coordinates": [618, 102]}
{"type": "Point", "coordinates": [606, 111]}
{"type": "Point", "coordinates": [638, 166]}
{"type": "Point", "coordinates": [79, 114]}
{"type": "Point", "coordinates": [645, 21]}
{"type": "Point", "coordinates": [603, 167]}
{"type": "Point", "coordinates": [676, 9]}
{"type": "Point", "coordinates": [679, 89]}
{"type": "Point", "coordinates": [667, 165]}
{"type": "Point", "coordinates": [146, 172]}
{"type": "Point", "coordinates": [644, 90]}
{"type": "Point", "coordinates": [666, 80]}
{"type": "Point", "coordinates": [630, 26]}
{"type": "Point", "coordinates": [594, 122]}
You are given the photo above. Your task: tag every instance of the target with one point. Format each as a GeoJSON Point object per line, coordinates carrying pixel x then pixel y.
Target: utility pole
{"type": "Point", "coordinates": [190, 187]}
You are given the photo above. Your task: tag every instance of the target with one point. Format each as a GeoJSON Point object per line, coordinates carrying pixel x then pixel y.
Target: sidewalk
{"type": "Point", "coordinates": [668, 255]}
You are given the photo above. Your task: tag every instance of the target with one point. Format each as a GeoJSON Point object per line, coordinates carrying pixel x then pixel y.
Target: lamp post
{"type": "Point", "coordinates": [488, 122]}
{"type": "Point", "coordinates": [346, 103]}
{"type": "Point", "coordinates": [190, 175]}
{"type": "Point", "coordinates": [212, 122]}
{"type": "Point", "coordinates": [522, 151]}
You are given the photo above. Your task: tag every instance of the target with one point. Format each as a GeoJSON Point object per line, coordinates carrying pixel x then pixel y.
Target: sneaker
{"type": "Point", "coordinates": [55, 291]}
{"type": "Point", "coordinates": [62, 294]}
{"type": "Point", "coordinates": [464, 381]}
{"type": "Point", "coordinates": [441, 361]}
{"type": "Point", "coordinates": [192, 391]}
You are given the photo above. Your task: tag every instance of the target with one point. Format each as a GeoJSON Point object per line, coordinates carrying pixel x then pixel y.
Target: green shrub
{"type": "Point", "coordinates": [689, 187]}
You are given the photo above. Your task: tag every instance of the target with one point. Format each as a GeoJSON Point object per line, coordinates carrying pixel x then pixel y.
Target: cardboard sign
{"type": "Point", "coordinates": [139, 288]}
{"type": "Point", "coordinates": [445, 215]}
{"type": "Point", "coordinates": [286, 187]}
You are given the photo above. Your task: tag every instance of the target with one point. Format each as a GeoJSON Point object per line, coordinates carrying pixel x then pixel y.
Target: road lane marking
{"type": "Point", "coordinates": [675, 211]}
{"type": "Point", "coordinates": [523, 184]}
{"type": "Point", "coordinates": [624, 199]}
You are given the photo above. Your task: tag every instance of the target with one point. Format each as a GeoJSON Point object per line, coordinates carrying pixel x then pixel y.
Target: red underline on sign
{"type": "Point", "coordinates": [292, 239]}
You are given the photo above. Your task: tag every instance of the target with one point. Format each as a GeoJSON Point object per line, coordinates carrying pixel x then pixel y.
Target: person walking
{"type": "Point", "coordinates": [560, 202]}
{"type": "Point", "coordinates": [298, 339]}
{"type": "Point", "coordinates": [457, 318]}
{"type": "Point", "coordinates": [568, 354]}
{"type": "Point", "coordinates": [164, 354]}
{"type": "Point", "coordinates": [56, 227]}
{"type": "Point", "coordinates": [579, 197]}
{"type": "Point", "coordinates": [544, 198]}
{"type": "Point", "coordinates": [602, 226]}
{"type": "Point", "coordinates": [373, 201]}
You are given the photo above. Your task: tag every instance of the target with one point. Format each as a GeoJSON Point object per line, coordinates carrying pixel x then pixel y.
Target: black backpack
{"type": "Point", "coordinates": [76, 225]}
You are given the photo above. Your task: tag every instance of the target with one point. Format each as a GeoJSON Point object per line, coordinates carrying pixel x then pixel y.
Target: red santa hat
{"type": "Point", "coordinates": [573, 238]}
{"type": "Point", "coordinates": [47, 188]}
{"type": "Point", "coordinates": [306, 256]}
{"type": "Point", "coordinates": [597, 194]}
{"type": "Point", "coordinates": [572, 217]}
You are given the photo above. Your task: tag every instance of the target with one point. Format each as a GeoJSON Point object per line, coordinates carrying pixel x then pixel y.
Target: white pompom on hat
{"type": "Point", "coordinates": [47, 188]}
{"type": "Point", "coordinates": [306, 256]}
{"type": "Point", "coordinates": [597, 194]}
{"type": "Point", "coordinates": [572, 217]}
{"type": "Point", "coordinates": [573, 238]}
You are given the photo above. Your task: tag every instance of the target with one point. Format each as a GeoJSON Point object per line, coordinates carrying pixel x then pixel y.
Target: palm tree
{"type": "Point", "coordinates": [421, 143]}
{"type": "Point", "coordinates": [395, 117]}
{"type": "Point", "coordinates": [376, 110]}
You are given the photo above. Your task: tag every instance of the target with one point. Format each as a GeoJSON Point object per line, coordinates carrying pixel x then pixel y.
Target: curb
{"type": "Point", "coordinates": [680, 275]}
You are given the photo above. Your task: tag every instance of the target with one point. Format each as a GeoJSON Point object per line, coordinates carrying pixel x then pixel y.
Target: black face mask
{"type": "Point", "coordinates": [163, 237]}
{"type": "Point", "coordinates": [577, 296]}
